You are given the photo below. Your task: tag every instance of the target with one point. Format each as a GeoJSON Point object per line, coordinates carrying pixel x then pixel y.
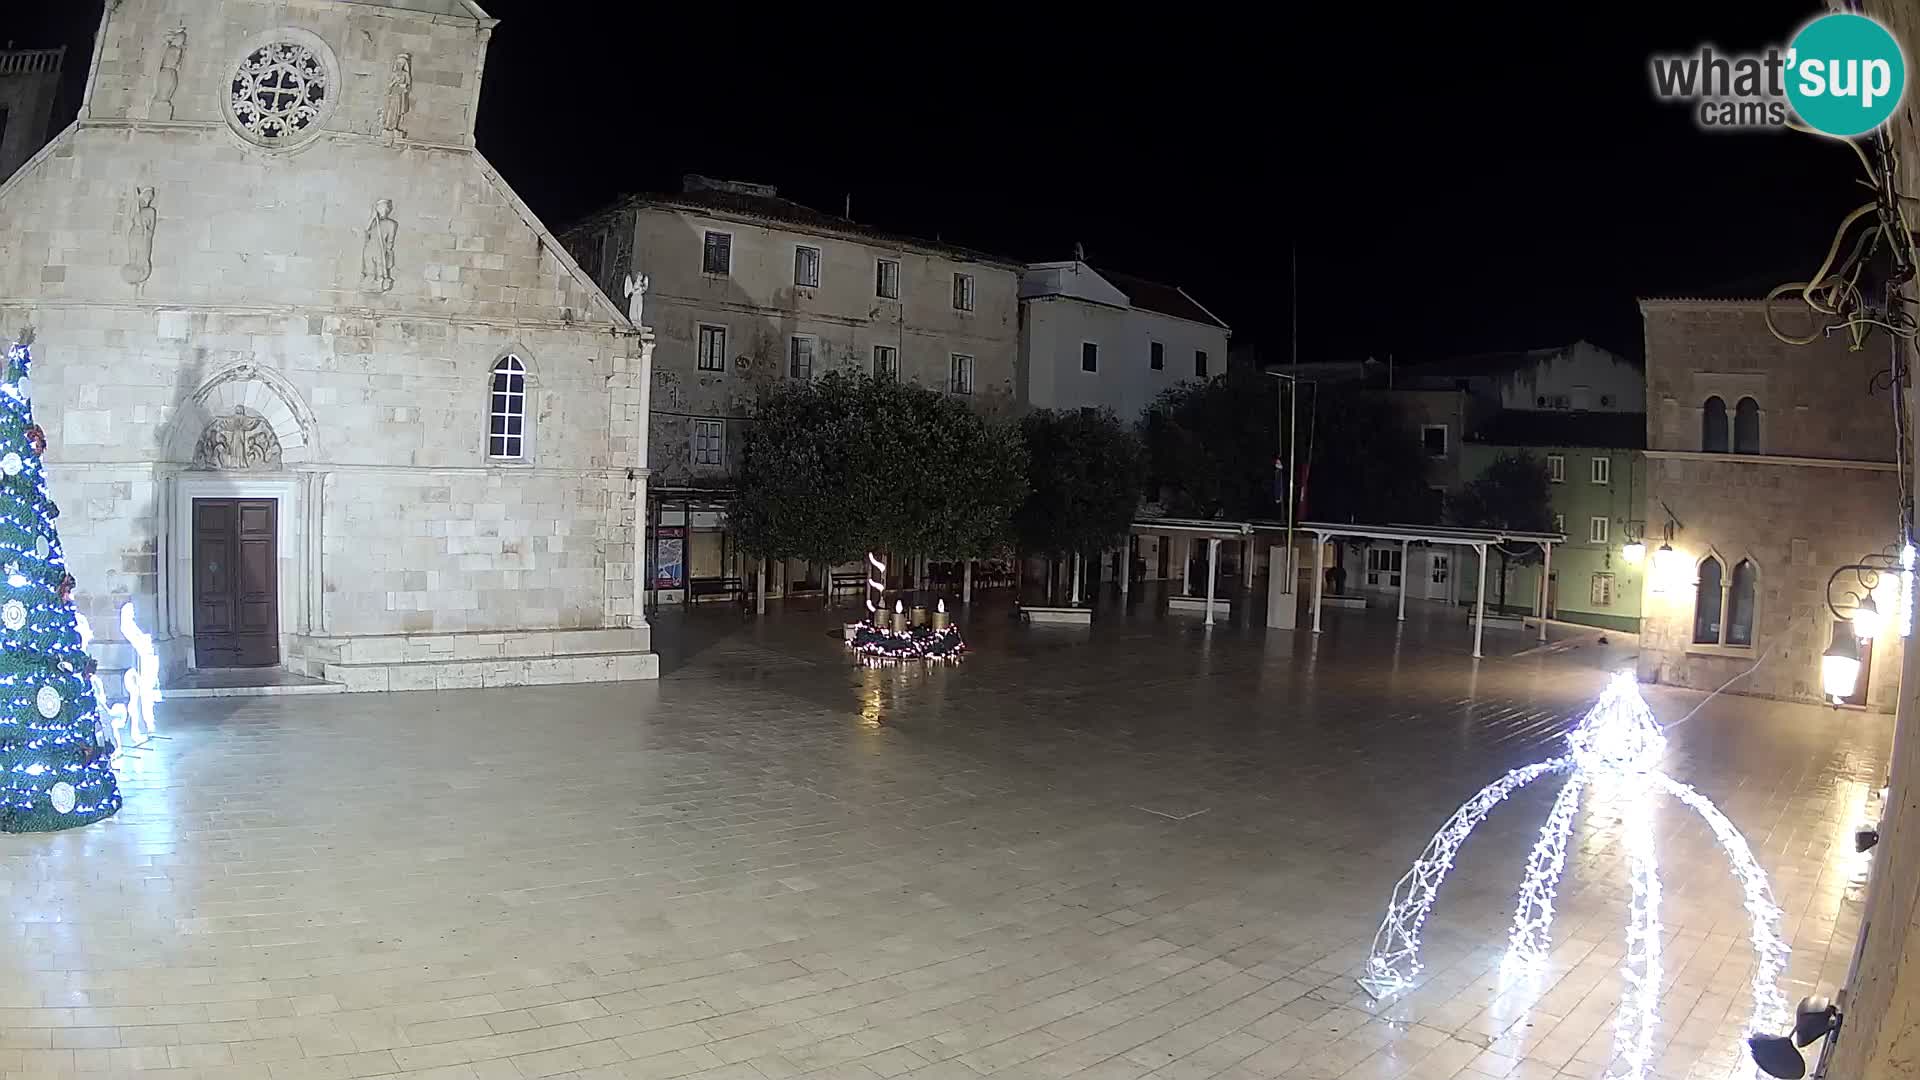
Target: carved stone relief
{"type": "Point", "coordinates": [399, 98]}
{"type": "Point", "coordinates": [241, 441]}
{"type": "Point", "coordinates": [139, 265]}
{"type": "Point", "coordinates": [376, 249]}
{"type": "Point", "coordinates": [167, 81]}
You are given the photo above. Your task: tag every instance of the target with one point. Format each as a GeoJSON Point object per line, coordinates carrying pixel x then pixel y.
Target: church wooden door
{"type": "Point", "coordinates": [236, 587]}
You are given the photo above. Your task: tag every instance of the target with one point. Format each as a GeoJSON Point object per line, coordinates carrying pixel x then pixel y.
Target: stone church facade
{"type": "Point", "coordinates": [320, 392]}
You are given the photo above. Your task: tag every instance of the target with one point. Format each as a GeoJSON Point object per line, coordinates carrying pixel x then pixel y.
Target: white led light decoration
{"type": "Point", "coordinates": [142, 681]}
{"type": "Point", "coordinates": [1619, 743]}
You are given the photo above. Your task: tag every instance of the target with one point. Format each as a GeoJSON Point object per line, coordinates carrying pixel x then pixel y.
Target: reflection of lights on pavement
{"type": "Point", "coordinates": [1616, 752]}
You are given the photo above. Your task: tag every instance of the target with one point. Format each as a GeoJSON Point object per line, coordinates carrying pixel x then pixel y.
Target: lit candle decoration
{"type": "Point", "coordinates": [939, 616]}
{"type": "Point", "coordinates": [899, 617]}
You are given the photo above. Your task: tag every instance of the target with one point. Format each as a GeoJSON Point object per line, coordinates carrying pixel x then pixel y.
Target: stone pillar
{"type": "Point", "coordinates": [1406, 571]}
{"type": "Point", "coordinates": [1077, 560]}
{"type": "Point", "coordinates": [1186, 567]}
{"type": "Point", "coordinates": [642, 555]}
{"type": "Point", "coordinates": [1480, 602]}
{"type": "Point", "coordinates": [1213, 572]}
{"type": "Point", "coordinates": [966, 583]}
{"type": "Point", "coordinates": [1546, 583]}
{"type": "Point", "coordinates": [1319, 576]}
{"type": "Point", "coordinates": [760, 572]}
{"type": "Point", "coordinates": [1126, 568]}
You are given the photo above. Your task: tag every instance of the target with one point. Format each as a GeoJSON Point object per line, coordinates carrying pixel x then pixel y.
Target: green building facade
{"type": "Point", "coordinates": [1599, 482]}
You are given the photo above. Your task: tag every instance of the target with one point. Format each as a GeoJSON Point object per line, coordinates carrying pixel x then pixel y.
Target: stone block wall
{"type": "Point", "coordinates": [1814, 399]}
{"type": "Point", "coordinates": [1797, 523]}
{"type": "Point", "coordinates": [255, 292]}
{"type": "Point", "coordinates": [446, 53]}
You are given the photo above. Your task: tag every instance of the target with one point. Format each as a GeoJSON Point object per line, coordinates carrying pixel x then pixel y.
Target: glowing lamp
{"type": "Point", "coordinates": [1840, 665]}
{"type": "Point", "coordinates": [1866, 620]}
{"type": "Point", "coordinates": [1633, 553]}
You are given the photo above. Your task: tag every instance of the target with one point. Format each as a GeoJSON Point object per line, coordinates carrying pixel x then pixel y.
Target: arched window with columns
{"type": "Point", "coordinates": [1746, 426]}
{"type": "Point", "coordinates": [1713, 425]}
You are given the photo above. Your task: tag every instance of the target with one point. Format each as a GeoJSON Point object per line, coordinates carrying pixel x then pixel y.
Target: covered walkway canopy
{"type": "Point", "coordinates": [1192, 529]}
{"type": "Point", "coordinates": [1477, 539]}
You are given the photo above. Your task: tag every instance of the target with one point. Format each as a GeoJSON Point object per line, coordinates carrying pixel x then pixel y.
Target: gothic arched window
{"type": "Point", "coordinates": [1746, 427]}
{"type": "Point", "coordinates": [1713, 426]}
{"type": "Point", "coordinates": [507, 412]}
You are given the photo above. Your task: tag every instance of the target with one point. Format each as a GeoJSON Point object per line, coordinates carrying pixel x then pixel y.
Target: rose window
{"type": "Point", "coordinates": [278, 93]}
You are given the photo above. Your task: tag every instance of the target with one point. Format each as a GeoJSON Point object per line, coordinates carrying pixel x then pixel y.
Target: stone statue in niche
{"type": "Point", "coordinates": [139, 265]}
{"type": "Point", "coordinates": [376, 249]}
{"type": "Point", "coordinates": [399, 97]}
{"type": "Point", "coordinates": [167, 81]}
{"type": "Point", "coordinates": [242, 441]}
{"type": "Point", "coordinates": [636, 293]}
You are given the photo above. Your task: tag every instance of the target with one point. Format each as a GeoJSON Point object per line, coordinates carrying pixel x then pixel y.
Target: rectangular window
{"type": "Point", "coordinates": [717, 256]}
{"type": "Point", "coordinates": [1603, 470]}
{"type": "Point", "coordinates": [1602, 590]}
{"type": "Point", "coordinates": [962, 382]}
{"type": "Point", "coordinates": [886, 362]}
{"type": "Point", "coordinates": [710, 443]}
{"type": "Point", "coordinates": [1383, 567]}
{"type": "Point", "coordinates": [1557, 468]}
{"type": "Point", "coordinates": [1597, 530]}
{"type": "Point", "coordinates": [1156, 356]}
{"type": "Point", "coordinates": [963, 292]}
{"type": "Point", "coordinates": [800, 358]}
{"type": "Point", "coordinates": [806, 267]}
{"type": "Point", "coordinates": [1434, 438]}
{"type": "Point", "coordinates": [713, 348]}
{"type": "Point", "coordinates": [1200, 363]}
{"type": "Point", "coordinates": [1089, 356]}
{"type": "Point", "coordinates": [1560, 523]}
{"type": "Point", "coordinates": [886, 279]}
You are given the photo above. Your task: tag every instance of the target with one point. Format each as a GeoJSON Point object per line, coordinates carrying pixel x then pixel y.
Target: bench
{"type": "Point", "coordinates": [848, 582]}
{"type": "Point", "coordinates": [715, 586]}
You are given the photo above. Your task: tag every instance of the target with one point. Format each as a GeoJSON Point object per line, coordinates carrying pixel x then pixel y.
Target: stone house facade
{"type": "Point", "coordinates": [1093, 338]}
{"type": "Point", "coordinates": [1597, 482]}
{"type": "Point", "coordinates": [1769, 466]}
{"type": "Point", "coordinates": [320, 391]}
{"type": "Point", "coordinates": [745, 288]}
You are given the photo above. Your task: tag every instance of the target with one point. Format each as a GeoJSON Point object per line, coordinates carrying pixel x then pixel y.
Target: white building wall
{"type": "Point", "coordinates": [1126, 382]}
{"type": "Point", "coordinates": [1584, 376]}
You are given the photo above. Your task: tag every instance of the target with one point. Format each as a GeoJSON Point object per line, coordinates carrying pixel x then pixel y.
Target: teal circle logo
{"type": "Point", "coordinates": [1845, 74]}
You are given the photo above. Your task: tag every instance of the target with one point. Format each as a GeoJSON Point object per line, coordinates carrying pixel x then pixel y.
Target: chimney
{"type": "Point", "coordinates": [693, 182]}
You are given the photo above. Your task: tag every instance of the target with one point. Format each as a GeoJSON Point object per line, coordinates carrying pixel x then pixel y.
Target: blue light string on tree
{"type": "Point", "coordinates": [55, 766]}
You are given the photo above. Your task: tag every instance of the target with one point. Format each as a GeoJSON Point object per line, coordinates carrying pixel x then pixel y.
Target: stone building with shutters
{"type": "Point", "coordinates": [747, 288]}
{"type": "Point", "coordinates": [1769, 466]}
{"type": "Point", "coordinates": [320, 392]}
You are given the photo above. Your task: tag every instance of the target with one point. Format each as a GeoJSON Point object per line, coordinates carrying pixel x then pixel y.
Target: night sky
{"type": "Point", "coordinates": [1484, 177]}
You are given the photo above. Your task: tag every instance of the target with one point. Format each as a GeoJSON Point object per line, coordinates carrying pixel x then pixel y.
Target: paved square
{"type": "Point", "coordinates": [1147, 851]}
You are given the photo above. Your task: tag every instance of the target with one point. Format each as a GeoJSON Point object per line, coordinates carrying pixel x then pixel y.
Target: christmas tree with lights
{"type": "Point", "coordinates": [56, 771]}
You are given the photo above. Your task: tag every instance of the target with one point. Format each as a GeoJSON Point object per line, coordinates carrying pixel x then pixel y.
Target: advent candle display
{"type": "Point", "coordinates": [897, 636]}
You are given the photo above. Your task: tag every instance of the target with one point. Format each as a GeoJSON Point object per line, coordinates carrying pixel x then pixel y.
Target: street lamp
{"type": "Point", "coordinates": [1866, 619]}
{"type": "Point", "coordinates": [1633, 551]}
{"type": "Point", "coordinates": [1840, 665]}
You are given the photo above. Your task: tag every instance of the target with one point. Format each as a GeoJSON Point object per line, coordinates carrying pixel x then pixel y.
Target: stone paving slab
{"type": "Point", "coordinates": [1151, 850]}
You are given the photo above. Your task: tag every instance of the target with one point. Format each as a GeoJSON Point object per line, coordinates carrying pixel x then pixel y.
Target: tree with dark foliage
{"type": "Point", "coordinates": [1513, 493]}
{"type": "Point", "coordinates": [1085, 476]}
{"type": "Point", "coordinates": [846, 463]}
